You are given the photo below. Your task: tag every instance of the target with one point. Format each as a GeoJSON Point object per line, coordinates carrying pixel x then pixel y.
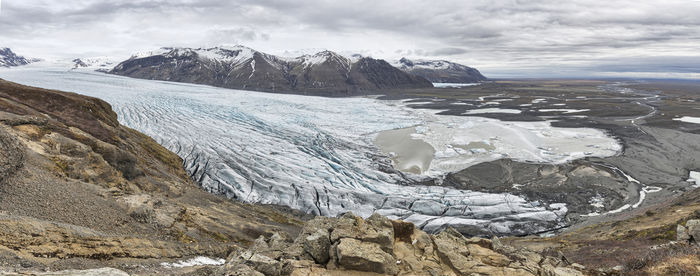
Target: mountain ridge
{"type": "Point", "coordinates": [440, 71]}
{"type": "Point", "coordinates": [325, 73]}
{"type": "Point", "coordinates": [8, 58]}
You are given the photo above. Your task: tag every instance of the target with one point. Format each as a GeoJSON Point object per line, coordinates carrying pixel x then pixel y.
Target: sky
{"type": "Point", "coordinates": [500, 38]}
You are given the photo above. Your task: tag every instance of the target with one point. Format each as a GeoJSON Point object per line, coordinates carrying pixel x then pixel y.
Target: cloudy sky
{"type": "Point", "coordinates": [501, 38]}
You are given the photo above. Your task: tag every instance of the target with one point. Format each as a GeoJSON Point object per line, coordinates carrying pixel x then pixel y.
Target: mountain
{"type": "Point", "coordinates": [440, 71]}
{"type": "Point", "coordinates": [325, 73]}
{"type": "Point", "coordinates": [10, 59]}
{"type": "Point", "coordinates": [98, 63]}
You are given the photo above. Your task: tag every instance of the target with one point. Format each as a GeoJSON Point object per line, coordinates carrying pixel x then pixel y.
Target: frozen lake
{"type": "Point", "coordinates": [317, 154]}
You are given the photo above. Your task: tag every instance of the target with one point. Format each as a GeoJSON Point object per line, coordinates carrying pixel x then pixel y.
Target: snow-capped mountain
{"type": "Point", "coordinates": [10, 59]}
{"type": "Point", "coordinates": [239, 67]}
{"type": "Point", "coordinates": [97, 63]}
{"type": "Point", "coordinates": [440, 71]}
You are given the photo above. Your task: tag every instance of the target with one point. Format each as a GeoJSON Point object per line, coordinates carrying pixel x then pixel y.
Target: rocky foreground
{"type": "Point", "coordinates": [350, 245]}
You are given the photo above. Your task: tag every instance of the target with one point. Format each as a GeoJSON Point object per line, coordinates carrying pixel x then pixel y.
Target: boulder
{"type": "Point", "coordinates": [261, 263]}
{"type": "Point", "coordinates": [693, 227]}
{"type": "Point", "coordinates": [376, 229]}
{"type": "Point", "coordinates": [318, 246]}
{"type": "Point", "coordinates": [682, 233]}
{"type": "Point", "coordinates": [453, 253]}
{"type": "Point", "coordinates": [364, 256]}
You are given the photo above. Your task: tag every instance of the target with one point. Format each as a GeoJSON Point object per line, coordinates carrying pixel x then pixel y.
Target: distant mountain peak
{"type": "Point", "coordinates": [9, 59]}
{"type": "Point", "coordinates": [97, 63]}
{"type": "Point", "coordinates": [323, 57]}
{"type": "Point", "coordinates": [440, 71]}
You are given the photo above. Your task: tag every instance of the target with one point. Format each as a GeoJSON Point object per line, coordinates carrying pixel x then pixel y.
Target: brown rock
{"type": "Point", "coordinates": [487, 256]}
{"type": "Point", "coordinates": [364, 256]}
{"type": "Point", "coordinates": [403, 230]}
{"type": "Point", "coordinates": [376, 229]}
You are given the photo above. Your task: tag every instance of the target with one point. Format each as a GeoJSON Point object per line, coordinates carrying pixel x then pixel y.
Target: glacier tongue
{"type": "Point", "coordinates": [310, 153]}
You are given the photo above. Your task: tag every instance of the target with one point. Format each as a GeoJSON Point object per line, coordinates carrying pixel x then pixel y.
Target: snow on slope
{"type": "Point", "coordinates": [94, 63]}
{"type": "Point", "coordinates": [310, 153]}
{"type": "Point", "coordinates": [324, 56]}
{"type": "Point", "coordinates": [10, 59]}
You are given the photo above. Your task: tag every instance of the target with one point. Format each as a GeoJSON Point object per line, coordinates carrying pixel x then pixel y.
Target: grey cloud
{"type": "Point", "coordinates": [238, 35]}
{"type": "Point", "coordinates": [447, 51]}
{"type": "Point", "coordinates": [502, 35]}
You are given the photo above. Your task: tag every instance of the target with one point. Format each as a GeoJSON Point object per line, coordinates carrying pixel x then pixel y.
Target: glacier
{"type": "Point", "coordinates": [310, 153]}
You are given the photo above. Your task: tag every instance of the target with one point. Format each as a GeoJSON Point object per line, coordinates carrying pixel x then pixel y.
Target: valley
{"type": "Point", "coordinates": [547, 168]}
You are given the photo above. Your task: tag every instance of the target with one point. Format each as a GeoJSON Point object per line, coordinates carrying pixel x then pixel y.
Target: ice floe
{"type": "Point", "coordinates": [452, 138]}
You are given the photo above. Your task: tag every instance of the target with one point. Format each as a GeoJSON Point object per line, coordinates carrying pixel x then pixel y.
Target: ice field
{"type": "Point", "coordinates": [317, 154]}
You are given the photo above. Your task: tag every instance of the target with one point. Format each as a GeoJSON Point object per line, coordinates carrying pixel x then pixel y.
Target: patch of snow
{"type": "Point", "coordinates": [688, 119]}
{"type": "Point", "coordinates": [597, 201]}
{"type": "Point", "coordinates": [622, 208]}
{"type": "Point", "coordinates": [196, 261]}
{"type": "Point", "coordinates": [566, 111]}
{"type": "Point", "coordinates": [694, 176]}
{"type": "Point", "coordinates": [453, 85]}
{"type": "Point", "coordinates": [492, 110]}
{"type": "Point", "coordinates": [252, 67]}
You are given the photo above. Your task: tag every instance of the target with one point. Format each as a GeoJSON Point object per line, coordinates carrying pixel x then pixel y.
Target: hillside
{"type": "Point", "coordinates": [77, 185]}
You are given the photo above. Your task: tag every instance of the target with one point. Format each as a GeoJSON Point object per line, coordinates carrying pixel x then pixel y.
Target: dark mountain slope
{"type": "Point", "coordinates": [325, 73]}
{"type": "Point", "coordinates": [440, 71]}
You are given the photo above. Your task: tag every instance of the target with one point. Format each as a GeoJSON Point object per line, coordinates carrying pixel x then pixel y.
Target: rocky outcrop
{"type": "Point", "coordinates": [379, 246]}
{"type": "Point", "coordinates": [9, 59]}
{"type": "Point", "coordinates": [690, 232]}
{"type": "Point", "coordinates": [325, 73]}
{"type": "Point", "coordinates": [440, 71]}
